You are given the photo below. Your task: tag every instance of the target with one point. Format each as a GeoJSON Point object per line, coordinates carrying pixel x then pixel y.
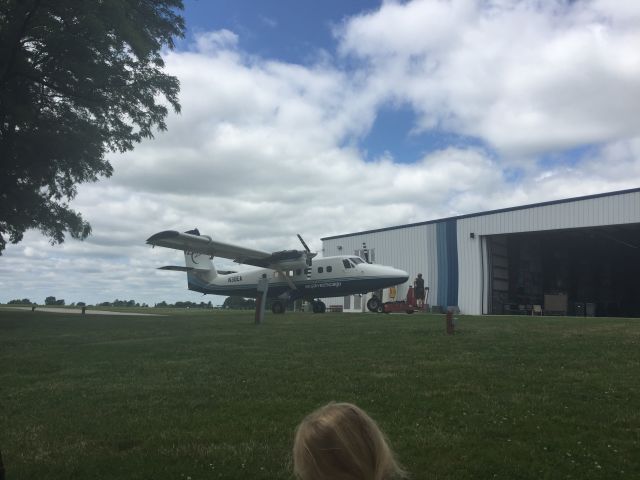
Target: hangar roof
{"type": "Point", "coordinates": [489, 212]}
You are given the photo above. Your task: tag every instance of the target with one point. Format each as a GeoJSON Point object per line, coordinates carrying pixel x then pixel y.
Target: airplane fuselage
{"type": "Point", "coordinates": [327, 277]}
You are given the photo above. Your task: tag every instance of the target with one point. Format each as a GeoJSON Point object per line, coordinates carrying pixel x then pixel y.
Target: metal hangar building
{"type": "Point", "coordinates": [577, 256]}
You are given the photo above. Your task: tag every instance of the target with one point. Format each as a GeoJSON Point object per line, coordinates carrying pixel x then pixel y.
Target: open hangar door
{"type": "Point", "coordinates": [585, 271]}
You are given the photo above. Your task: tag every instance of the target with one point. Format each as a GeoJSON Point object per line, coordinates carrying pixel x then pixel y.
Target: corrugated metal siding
{"type": "Point", "coordinates": [419, 248]}
{"type": "Point", "coordinates": [613, 210]}
{"type": "Point", "coordinates": [412, 249]}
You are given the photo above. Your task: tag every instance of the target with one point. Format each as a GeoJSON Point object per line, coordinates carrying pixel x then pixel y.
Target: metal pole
{"type": "Point", "coordinates": [261, 300]}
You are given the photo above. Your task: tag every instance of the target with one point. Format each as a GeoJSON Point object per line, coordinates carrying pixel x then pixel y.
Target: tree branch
{"type": "Point", "coordinates": [15, 39]}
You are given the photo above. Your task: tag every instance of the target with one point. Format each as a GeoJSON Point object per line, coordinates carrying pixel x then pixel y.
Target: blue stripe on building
{"type": "Point", "coordinates": [447, 244]}
{"type": "Point", "coordinates": [452, 262]}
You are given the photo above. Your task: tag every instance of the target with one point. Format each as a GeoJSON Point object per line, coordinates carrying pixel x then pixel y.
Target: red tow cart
{"type": "Point", "coordinates": [408, 305]}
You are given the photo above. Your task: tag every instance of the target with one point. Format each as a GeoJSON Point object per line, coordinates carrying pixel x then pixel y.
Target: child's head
{"type": "Point", "coordinates": [341, 442]}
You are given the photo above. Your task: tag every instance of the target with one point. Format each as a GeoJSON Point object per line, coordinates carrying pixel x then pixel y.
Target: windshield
{"type": "Point", "coordinates": [356, 260]}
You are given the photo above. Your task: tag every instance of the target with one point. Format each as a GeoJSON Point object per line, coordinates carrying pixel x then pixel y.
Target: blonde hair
{"type": "Point", "coordinates": [341, 442]}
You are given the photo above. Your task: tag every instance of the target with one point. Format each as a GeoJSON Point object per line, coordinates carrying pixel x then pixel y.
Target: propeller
{"type": "Point", "coordinates": [307, 249]}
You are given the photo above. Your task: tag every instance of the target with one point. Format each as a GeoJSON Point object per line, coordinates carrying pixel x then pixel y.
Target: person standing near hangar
{"type": "Point", "coordinates": [418, 290]}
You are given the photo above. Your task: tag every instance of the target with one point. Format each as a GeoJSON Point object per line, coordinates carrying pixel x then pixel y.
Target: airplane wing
{"type": "Point", "coordinates": [192, 241]}
{"type": "Point", "coordinates": [175, 268]}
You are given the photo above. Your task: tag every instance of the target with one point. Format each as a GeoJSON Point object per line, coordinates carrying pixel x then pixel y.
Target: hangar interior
{"type": "Point", "coordinates": [583, 271]}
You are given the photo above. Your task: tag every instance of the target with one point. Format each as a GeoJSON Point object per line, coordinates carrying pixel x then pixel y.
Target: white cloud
{"type": "Point", "coordinates": [213, 41]}
{"type": "Point", "coordinates": [265, 149]}
{"type": "Point", "coordinates": [527, 76]}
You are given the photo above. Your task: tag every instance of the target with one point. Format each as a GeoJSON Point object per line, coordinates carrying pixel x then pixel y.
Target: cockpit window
{"type": "Point", "coordinates": [347, 263]}
{"type": "Point", "coordinates": [356, 260]}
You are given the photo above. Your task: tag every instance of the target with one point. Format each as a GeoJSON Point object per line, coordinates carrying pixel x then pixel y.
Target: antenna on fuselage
{"type": "Point", "coordinates": [365, 252]}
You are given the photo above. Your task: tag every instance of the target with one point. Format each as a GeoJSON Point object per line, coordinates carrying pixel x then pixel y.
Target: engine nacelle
{"type": "Point", "coordinates": [290, 265]}
{"type": "Point", "coordinates": [291, 260]}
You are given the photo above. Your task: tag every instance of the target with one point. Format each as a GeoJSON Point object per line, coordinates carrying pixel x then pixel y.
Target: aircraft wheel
{"type": "Point", "coordinates": [410, 310]}
{"type": "Point", "coordinates": [277, 307]}
{"type": "Point", "coordinates": [380, 308]}
{"type": "Point", "coordinates": [373, 304]}
{"type": "Point", "coordinates": [319, 307]}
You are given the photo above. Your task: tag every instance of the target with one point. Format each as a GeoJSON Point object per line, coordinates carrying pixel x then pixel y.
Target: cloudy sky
{"type": "Point", "coordinates": [332, 117]}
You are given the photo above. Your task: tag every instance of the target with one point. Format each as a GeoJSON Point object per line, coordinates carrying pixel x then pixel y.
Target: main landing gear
{"type": "Point", "coordinates": [318, 307]}
{"type": "Point", "coordinates": [278, 307]}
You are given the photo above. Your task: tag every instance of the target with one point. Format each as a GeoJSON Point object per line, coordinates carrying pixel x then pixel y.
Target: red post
{"type": "Point", "coordinates": [449, 322]}
{"type": "Point", "coordinates": [411, 298]}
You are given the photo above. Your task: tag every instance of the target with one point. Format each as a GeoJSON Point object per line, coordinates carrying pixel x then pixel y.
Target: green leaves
{"type": "Point", "coordinates": [77, 79]}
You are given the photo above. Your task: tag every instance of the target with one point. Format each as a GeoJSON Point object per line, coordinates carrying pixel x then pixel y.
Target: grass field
{"type": "Point", "coordinates": [204, 395]}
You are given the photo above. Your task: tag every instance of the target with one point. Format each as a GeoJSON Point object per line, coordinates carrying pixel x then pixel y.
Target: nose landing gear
{"type": "Point", "coordinates": [374, 305]}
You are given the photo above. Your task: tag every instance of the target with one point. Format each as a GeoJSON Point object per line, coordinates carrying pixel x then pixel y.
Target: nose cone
{"type": "Point", "coordinates": [391, 275]}
{"type": "Point", "coordinates": [382, 276]}
{"type": "Point", "coordinates": [404, 276]}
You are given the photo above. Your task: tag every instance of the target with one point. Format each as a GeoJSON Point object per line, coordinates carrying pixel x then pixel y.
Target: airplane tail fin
{"type": "Point", "coordinates": [200, 266]}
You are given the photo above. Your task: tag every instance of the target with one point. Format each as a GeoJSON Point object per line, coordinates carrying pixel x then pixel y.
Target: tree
{"type": "Point", "coordinates": [77, 80]}
{"type": "Point", "coordinates": [24, 301]}
{"type": "Point", "coordinates": [53, 301]}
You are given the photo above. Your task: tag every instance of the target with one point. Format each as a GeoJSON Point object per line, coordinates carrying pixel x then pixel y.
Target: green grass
{"type": "Point", "coordinates": [211, 395]}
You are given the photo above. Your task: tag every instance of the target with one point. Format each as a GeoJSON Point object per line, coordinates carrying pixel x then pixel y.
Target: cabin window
{"type": "Point", "coordinates": [290, 273]}
{"type": "Point", "coordinates": [329, 269]}
{"type": "Point", "coordinates": [320, 270]}
{"type": "Point", "coordinates": [346, 263]}
{"type": "Point", "coordinates": [264, 275]}
{"type": "Point", "coordinates": [298, 271]}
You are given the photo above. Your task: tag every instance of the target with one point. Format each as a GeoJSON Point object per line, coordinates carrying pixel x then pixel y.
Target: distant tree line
{"type": "Point", "coordinates": [186, 304]}
{"type": "Point", "coordinates": [121, 303]}
{"type": "Point", "coordinates": [235, 303]}
{"type": "Point", "coordinates": [24, 301]}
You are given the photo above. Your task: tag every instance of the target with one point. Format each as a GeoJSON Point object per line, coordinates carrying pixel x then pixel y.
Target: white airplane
{"type": "Point", "coordinates": [291, 274]}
